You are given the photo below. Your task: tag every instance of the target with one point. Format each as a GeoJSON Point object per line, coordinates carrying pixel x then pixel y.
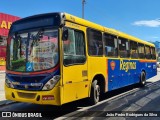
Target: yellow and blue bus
{"type": "Point", "coordinates": [56, 58]}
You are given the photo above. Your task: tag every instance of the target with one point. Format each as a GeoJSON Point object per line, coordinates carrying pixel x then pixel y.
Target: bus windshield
{"type": "Point", "coordinates": [33, 51]}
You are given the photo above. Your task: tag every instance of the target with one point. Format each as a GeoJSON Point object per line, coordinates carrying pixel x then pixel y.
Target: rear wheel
{"type": "Point", "coordinates": [95, 93]}
{"type": "Point", "coordinates": [142, 82]}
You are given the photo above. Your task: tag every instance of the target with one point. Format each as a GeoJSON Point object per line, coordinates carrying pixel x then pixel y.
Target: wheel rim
{"type": "Point", "coordinates": [143, 79]}
{"type": "Point", "coordinates": [97, 92]}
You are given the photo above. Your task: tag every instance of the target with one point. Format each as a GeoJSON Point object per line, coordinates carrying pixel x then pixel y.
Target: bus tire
{"type": "Point", "coordinates": [142, 82]}
{"type": "Point", "coordinates": [95, 93]}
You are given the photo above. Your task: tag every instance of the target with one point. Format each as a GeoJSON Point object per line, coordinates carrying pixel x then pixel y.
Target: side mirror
{"type": "Point", "coordinates": [65, 35]}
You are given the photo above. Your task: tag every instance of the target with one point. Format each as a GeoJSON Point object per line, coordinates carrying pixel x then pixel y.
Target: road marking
{"type": "Point", "coordinates": [101, 102]}
{"type": "Point", "coordinates": [152, 95]}
{"type": "Point", "coordinates": [143, 101]}
{"type": "Point", "coordinates": [132, 107]}
{"type": "Point", "coordinates": [136, 106]}
{"type": "Point", "coordinates": [157, 91]}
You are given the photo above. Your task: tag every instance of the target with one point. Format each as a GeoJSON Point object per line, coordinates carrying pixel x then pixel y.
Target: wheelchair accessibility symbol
{"type": "Point", "coordinates": [29, 66]}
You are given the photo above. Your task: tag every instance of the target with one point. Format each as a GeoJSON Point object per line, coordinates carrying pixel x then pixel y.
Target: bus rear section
{"type": "Point", "coordinates": [126, 72]}
{"type": "Point", "coordinates": [130, 60]}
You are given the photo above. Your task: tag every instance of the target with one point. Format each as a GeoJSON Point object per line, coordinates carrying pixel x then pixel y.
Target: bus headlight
{"type": "Point", "coordinates": [51, 83]}
{"type": "Point", "coordinates": [8, 82]}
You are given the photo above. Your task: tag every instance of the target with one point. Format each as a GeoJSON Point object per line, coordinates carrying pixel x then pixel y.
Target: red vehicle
{"type": "Point", "coordinates": [2, 51]}
{"type": "Point", "coordinates": [2, 58]}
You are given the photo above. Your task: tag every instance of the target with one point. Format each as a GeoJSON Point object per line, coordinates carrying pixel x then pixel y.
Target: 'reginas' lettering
{"type": "Point", "coordinates": [127, 65]}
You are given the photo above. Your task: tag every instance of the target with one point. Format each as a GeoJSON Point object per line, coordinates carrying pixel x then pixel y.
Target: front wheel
{"type": "Point", "coordinates": [142, 82]}
{"type": "Point", "coordinates": [95, 93]}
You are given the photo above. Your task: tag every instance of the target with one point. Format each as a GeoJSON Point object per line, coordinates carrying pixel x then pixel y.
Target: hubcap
{"type": "Point", "coordinates": [97, 91]}
{"type": "Point", "coordinates": [143, 79]}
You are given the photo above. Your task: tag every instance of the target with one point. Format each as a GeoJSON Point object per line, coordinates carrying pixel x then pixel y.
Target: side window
{"type": "Point", "coordinates": [134, 50]}
{"type": "Point", "coordinates": [141, 51]}
{"type": "Point", "coordinates": [74, 48]}
{"type": "Point", "coordinates": [111, 47]}
{"type": "Point", "coordinates": [153, 53]}
{"type": "Point", "coordinates": [148, 52]}
{"type": "Point", "coordinates": [95, 44]}
{"type": "Point", "coordinates": [124, 48]}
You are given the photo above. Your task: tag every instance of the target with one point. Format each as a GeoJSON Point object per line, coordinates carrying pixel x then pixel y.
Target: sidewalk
{"type": "Point", "coordinates": [2, 82]}
{"type": "Point", "coordinates": [2, 69]}
{"type": "Point", "coordinates": [2, 96]}
{"type": "Point", "coordinates": [3, 100]}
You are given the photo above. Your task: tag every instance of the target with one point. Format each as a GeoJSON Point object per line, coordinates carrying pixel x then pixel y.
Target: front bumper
{"type": "Point", "coordinates": [51, 97]}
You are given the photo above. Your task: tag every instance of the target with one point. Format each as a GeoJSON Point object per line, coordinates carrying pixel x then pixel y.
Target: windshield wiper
{"type": "Point", "coordinates": [37, 37]}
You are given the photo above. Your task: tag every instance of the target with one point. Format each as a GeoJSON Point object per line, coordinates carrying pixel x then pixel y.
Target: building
{"type": "Point", "coordinates": [5, 24]}
{"type": "Point", "coordinates": [157, 45]}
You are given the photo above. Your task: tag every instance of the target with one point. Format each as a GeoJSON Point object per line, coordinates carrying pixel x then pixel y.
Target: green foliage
{"type": "Point", "coordinates": [17, 63]}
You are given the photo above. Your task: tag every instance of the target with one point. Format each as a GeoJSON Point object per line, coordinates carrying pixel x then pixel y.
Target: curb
{"type": "Point", "coordinates": [6, 102]}
{"type": "Point", "coordinates": [2, 71]}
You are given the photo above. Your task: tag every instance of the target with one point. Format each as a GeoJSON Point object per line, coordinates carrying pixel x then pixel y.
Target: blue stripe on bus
{"type": "Point", "coordinates": [27, 80]}
{"type": "Point", "coordinates": [126, 72]}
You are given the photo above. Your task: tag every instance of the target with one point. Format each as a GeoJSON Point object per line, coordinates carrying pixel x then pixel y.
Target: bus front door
{"type": "Point", "coordinates": [75, 74]}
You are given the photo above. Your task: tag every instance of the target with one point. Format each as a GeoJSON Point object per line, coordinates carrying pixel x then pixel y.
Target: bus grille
{"type": "Point", "coordinates": [27, 95]}
{"type": "Point", "coordinates": [29, 83]}
{"type": "Point", "coordinates": [29, 87]}
{"type": "Point", "coordinates": [33, 79]}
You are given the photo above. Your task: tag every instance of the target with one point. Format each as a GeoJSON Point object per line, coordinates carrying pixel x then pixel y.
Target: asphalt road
{"type": "Point", "coordinates": [132, 98]}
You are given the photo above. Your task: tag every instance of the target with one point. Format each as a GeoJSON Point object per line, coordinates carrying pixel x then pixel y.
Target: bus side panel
{"type": "Point", "coordinates": [149, 67]}
{"type": "Point", "coordinates": [122, 73]}
{"type": "Point", "coordinates": [154, 69]}
{"type": "Point", "coordinates": [96, 66]}
{"type": "Point", "coordinates": [119, 73]}
{"type": "Point", "coordinates": [114, 78]}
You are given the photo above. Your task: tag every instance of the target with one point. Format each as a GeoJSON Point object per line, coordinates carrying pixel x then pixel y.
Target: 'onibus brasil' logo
{"type": "Point", "coordinates": [127, 65]}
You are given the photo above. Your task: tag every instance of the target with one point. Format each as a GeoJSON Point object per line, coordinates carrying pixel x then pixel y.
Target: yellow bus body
{"type": "Point", "coordinates": [76, 84]}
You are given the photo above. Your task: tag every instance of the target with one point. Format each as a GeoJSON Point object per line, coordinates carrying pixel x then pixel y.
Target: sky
{"type": "Point", "coordinates": [139, 18]}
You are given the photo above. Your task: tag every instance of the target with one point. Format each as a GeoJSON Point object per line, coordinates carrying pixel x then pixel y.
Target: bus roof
{"type": "Point", "coordinates": [74, 19]}
{"type": "Point", "coordinates": [80, 21]}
